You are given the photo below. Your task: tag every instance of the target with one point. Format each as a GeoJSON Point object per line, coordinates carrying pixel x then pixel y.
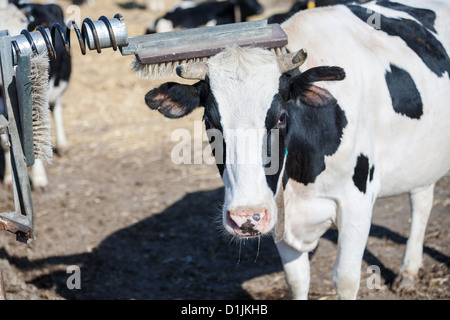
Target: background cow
{"type": "Point", "coordinates": [302, 5]}
{"type": "Point", "coordinates": [375, 126]}
{"type": "Point", "coordinates": [189, 14]}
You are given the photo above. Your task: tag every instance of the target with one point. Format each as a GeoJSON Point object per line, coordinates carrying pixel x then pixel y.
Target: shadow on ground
{"type": "Point", "coordinates": [178, 254]}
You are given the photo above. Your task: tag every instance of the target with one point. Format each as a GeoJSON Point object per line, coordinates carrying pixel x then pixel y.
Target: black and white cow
{"type": "Point", "coordinates": [59, 75]}
{"type": "Point", "coordinates": [190, 14]}
{"type": "Point", "coordinates": [303, 5]}
{"type": "Point", "coordinates": [376, 125]}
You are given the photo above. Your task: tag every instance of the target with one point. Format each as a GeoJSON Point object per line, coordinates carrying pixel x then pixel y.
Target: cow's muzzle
{"type": "Point", "coordinates": [248, 222]}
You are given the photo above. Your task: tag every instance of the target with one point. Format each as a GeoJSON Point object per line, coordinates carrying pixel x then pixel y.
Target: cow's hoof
{"type": "Point", "coordinates": [40, 185]}
{"type": "Point", "coordinates": [7, 181]}
{"type": "Point", "coordinates": [61, 150]}
{"type": "Point", "coordinates": [405, 282]}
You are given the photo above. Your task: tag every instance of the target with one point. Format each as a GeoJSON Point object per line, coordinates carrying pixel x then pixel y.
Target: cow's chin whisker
{"type": "Point", "coordinates": [257, 250]}
{"type": "Point", "coordinates": [239, 241]}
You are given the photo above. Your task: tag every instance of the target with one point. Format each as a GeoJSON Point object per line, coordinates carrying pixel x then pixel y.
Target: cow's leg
{"type": "Point", "coordinates": [57, 112]}
{"type": "Point", "coordinates": [354, 227]}
{"type": "Point", "coordinates": [421, 201]}
{"type": "Point", "coordinates": [39, 175]}
{"type": "Point", "coordinates": [296, 268]}
{"type": "Point", "coordinates": [7, 175]}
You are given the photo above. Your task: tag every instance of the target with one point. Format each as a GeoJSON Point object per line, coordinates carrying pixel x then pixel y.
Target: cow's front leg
{"type": "Point", "coordinates": [7, 175]}
{"type": "Point", "coordinates": [61, 140]}
{"type": "Point", "coordinates": [354, 228]}
{"type": "Point", "coordinates": [296, 269]}
{"type": "Point", "coordinates": [39, 176]}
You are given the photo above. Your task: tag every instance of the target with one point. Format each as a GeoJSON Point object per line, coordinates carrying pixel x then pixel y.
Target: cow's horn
{"type": "Point", "coordinates": [196, 70]}
{"type": "Point", "coordinates": [290, 61]}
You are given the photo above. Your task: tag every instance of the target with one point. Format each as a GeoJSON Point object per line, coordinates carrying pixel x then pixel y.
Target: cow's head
{"type": "Point", "coordinates": [255, 106]}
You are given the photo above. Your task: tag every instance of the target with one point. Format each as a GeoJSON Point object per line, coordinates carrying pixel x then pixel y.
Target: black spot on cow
{"type": "Point", "coordinates": [425, 16]}
{"type": "Point", "coordinates": [271, 122]}
{"type": "Point", "coordinates": [247, 227]}
{"type": "Point", "coordinates": [313, 133]}
{"type": "Point", "coordinates": [417, 36]}
{"type": "Point", "coordinates": [405, 97]}
{"type": "Point", "coordinates": [314, 122]}
{"type": "Point", "coordinates": [361, 173]}
{"type": "Point", "coordinates": [372, 170]}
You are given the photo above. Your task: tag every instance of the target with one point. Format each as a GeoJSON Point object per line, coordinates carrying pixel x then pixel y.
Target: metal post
{"type": "Point", "coordinates": [19, 221]}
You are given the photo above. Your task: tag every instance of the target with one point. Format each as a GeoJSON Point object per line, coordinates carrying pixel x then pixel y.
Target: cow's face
{"type": "Point", "coordinates": [251, 107]}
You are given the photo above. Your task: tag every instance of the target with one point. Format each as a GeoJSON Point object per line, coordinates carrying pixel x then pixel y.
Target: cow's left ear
{"type": "Point", "coordinates": [301, 86]}
{"type": "Point", "coordinates": [173, 100]}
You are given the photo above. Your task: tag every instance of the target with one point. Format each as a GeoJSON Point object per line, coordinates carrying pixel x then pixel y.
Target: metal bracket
{"type": "Point", "coordinates": [17, 100]}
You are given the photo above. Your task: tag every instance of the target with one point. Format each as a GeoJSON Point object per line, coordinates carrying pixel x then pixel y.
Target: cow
{"type": "Point", "coordinates": [365, 116]}
{"type": "Point", "coordinates": [189, 14]}
{"type": "Point", "coordinates": [59, 75]}
{"type": "Point", "coordinates": [303, 5]}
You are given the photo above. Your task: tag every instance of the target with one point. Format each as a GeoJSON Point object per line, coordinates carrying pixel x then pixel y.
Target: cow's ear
{"type": "Point", "coordinates": [301, 86]}
{"type": "Point", "coordinates": [173, 100]}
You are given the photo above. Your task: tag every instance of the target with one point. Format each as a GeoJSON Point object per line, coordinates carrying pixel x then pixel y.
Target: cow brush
{"type": "Point", "coordinates": [42, 141]}
{"type": "Point", "coordinates": [31, 78]}
{"type": "Point", "coordinates": [37, 137]}
{"type": "Point", "coordinates": [158, 55]}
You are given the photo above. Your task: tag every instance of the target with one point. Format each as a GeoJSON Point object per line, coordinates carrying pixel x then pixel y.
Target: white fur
{"type": "Point", "coordinates": [243, 105]}
{"type": "Point", "coordinates": [163, 25]}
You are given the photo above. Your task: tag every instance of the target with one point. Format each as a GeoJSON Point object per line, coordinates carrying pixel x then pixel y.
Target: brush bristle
{"type": "Point", "coordinates": [167, 69]}
{"type": "Point", "coordinates": [161, 70]}
{"type": "Point", "coordinates": [278, 51]}
{"type": "Point", "coordinates": [42, 139]}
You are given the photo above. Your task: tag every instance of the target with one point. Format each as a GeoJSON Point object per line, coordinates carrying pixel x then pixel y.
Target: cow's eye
{"type": "Point", "coordinates": [282, 120]}
{"type": "Point", "coordinates": [208, 123]}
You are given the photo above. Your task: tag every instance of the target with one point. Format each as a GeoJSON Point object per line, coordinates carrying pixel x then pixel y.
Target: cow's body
{"type": "Point", "coordinates": [407, 154]}
{"type": "Point", "coordinates": [385, 134]}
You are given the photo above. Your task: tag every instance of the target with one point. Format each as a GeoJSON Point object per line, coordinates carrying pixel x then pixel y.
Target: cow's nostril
{"type": "Point", "coordinates": [256, 217]}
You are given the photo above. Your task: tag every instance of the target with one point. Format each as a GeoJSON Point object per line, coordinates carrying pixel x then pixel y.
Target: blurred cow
{"type": "Point", "coordinates": [190, 14]}
{"type": "Point", "coordinates": [303, 5]}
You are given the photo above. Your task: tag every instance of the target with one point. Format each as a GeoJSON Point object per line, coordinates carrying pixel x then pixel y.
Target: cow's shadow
{"type": "Point", "coordinates": [177, 254]}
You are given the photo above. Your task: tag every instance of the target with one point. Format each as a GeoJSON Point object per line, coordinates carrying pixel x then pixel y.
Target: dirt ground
{"type": "Point", "coordinates": [140, 227]}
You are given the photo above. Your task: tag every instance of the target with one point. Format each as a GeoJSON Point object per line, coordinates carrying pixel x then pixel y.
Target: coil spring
{"type": "Point", "coordinates": [56, 29]}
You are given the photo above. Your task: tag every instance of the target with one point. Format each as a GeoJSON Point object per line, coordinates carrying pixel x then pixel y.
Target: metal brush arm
{"type": "Point", "coordinates": [99, 34]}
{"type": "Point", "coordinates": [151, 48]}
{"type": "Point", "coordinates": [180, 45]}
{"type": "Point", "coordinates": [201, 36]}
